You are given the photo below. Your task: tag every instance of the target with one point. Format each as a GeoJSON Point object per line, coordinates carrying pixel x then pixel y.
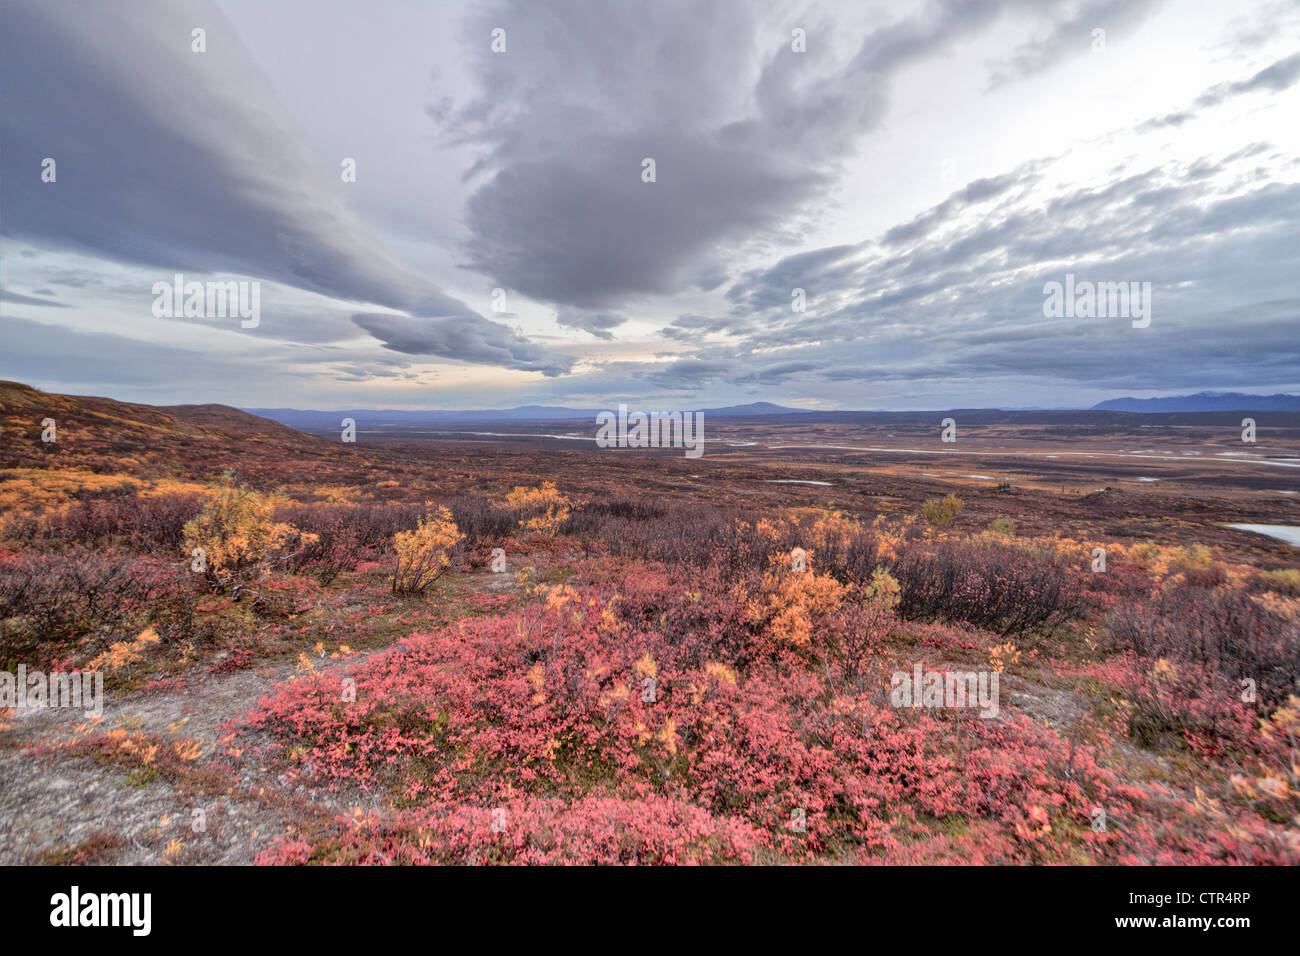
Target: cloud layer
{"type": "Point", "coordinates": [181, 159]}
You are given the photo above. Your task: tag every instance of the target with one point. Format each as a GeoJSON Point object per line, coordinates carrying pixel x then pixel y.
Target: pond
{"type": "Point", "coordinates": [1289, 533]}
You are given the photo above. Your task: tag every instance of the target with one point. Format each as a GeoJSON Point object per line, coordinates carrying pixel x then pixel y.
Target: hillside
{"type": "Point", "coordinates": [102, 434]}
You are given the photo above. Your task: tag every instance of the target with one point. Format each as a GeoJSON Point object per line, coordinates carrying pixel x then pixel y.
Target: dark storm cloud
{"type": "Point", "coordinates": [485, 342]}
{"type": "Point", "coordinates": [742, 130]}
{"type": "Point", "coordinates": [182, 160]}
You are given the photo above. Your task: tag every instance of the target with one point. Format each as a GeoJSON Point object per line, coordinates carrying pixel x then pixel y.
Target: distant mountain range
{"type": "Point", "coordinates": [311, 419]}
{"type": "Point", "coordinates": [1204, 402]}
{"type": "Point", "coordinates": [316, 420]}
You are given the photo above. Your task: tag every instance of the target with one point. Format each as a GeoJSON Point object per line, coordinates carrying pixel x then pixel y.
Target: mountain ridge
{"type": "Point", "coordinates": [1203, 402]}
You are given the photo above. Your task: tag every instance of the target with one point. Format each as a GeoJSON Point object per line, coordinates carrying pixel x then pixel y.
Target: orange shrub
{"type": "Point", "coordinates": [791, 603]}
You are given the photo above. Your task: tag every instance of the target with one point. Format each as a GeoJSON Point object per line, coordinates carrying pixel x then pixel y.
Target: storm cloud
{"type": "Point", "coordinates": [170, 157]}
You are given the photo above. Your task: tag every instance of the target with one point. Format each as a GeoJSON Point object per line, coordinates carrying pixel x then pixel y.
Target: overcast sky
{"type": "Point", "coordinates": [920, 170]}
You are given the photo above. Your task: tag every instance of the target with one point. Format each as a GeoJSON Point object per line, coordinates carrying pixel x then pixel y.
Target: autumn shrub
{"type": "Point", "coordinates": [997, 586]}
{"type": "Point", "coordinates": [1285, 580]}
{"type": "Point", "coordinates": [139, 521]}
{"type": "Point", "coordinates": [607, 524]}
{"type": "Point", "coordinates": [790, 605]}
{"type": "Point", "coordinates": [335, 545]}
{"type": "Point", "coordinates": [423, 555]}
{"type": "Point", "coordinates": [337, 537]}
{"type": "Point", "coordinates": [858, 634]}
{"type": "Point", "coordinates": [1003, 526]}
{"type": "Point", "coordinates": [942, 512]}
{"type": "Point", "coordinates": [54, 600]}
{"type": "Point", "coordinates": [845, 550]}
{"type": "Point", "coordinates": [569, 701]}
{"type": "Point", "coordinates": [238, 534]}
{"type": "Point", "coordinates": [482, 521]}
{"type": "Point", "coordinates": [1168, 703]}
{"type": "Point", "coordinates": [631, 509]}
{"type": "Point", "coordinates": [539, 511]}
{"type": "Point", "coordinates": [682, 535]}
{"type": "Point", "coordinates": [699, 614]}
{"type": "Point", "coordinates": [591, 831]}
{"type": "Point", "coordinates": [346, 533]}
{"type": "Point", "coordinates": [1220, 627]}
{"type": "Point", "coordinates": [124, 654]}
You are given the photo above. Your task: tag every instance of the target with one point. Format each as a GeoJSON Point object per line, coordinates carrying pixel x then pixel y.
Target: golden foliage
{"type": "Point", "coordinates": [541, 510]}
{"type": "Point", "coordinates": [34, 489]}
{"type": "Point", "coordinates": [883, 590]}
{"type": "Point", "coordinates": [123, 654]}
{"type": "Point", "coordinates": [236, 530]}
{"type": "Point", "coordinates": [425, 553]}
{"type": "Point", "coordinates": [941, 512]}
{"type": "Point", "coordinates": [792, 602]}
{"type": "Point", "coordinates": [1002, 656]}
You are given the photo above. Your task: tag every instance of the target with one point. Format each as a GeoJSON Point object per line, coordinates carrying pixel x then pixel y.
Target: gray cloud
{"type": "Point", "coordinates": [59, 358]}
{"type": "Point", "coordinates": [8, 295]}
{"type": "Point", "coordinates": [200, 172]}
{"type": "Point", "coordinates": [1276, 77]}
{"type": "Point", "coordinates": [1073, 37]}
{"type": "Point", "coordinates": [595, 323]}
{"type": "Point", "coordinates": [479, 341]}
{"type": "Point", "coordinates": [688, 327]}
{"type": "Point", "coordinates": [177, 161]}
{"type": "Point", "coordinates": [965, 304]}
{"type": "Point", "coordinates": [742, 131]}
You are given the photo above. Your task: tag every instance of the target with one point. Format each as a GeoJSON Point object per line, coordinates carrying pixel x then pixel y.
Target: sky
{"type": "Point", "coordinates": [920, 171]}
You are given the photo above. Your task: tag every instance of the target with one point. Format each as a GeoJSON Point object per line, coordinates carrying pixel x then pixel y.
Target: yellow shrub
{"type": "Point", "coordinates": [1163, 561]}
{"type": "Point", "coordinates": [236, 531]}
{"type": "Point", "coordinates": [540, 510]}
{"type": "Point", "coordinates": [425, 553]}
{"type": "Point", "coordinates": [1144, 554]}
{"type": "Point", "coordinates": [941, 512]}
{"type": "Point", "coordinates": [883, 591]}
{"type": "Point", "coordinates": [1286, 580]}
{"type": "Point", "coordinates": [337, 494]}
{"type": "Point", "coordinates": [1004, 526]}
